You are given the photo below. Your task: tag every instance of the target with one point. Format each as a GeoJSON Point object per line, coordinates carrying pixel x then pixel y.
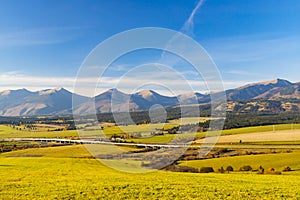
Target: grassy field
{"type": "Point", "coordinates": [10, 132]}
{"type": "Point", "coordinates": [72, 151]}
{"type": "Point", "coordinates": [190, 120]}
{"type": "Point", "coordinates": [57, 176]}
{"type": "Point", "coordinates": [69, 172]}
{"type": "Point", "coordinates": [257, 129]}
{"type": "Point", "coordinates": [229, 136]}
{"type": "Point", "coordinates": [276, 161]}
{"type": "Point", "coordinates": [278, 136]}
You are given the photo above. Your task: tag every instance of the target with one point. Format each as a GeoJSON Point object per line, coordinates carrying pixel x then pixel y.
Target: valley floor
{"type": "Point", "coordinates": [55, 175]}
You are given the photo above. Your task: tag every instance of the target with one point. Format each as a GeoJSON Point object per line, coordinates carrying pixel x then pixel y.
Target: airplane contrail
{"type": "Point", "coordinates": [187, 28]}
{"type": "Point", "coordinates": [189, 24]}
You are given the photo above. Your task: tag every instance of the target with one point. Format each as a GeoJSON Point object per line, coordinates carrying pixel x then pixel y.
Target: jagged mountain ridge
{"type": "Point", "coordinates": [59, 101]}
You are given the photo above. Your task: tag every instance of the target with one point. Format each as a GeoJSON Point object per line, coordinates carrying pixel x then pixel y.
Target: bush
{"type": "Point", "coordinates": [206, 170]}
{"type": "Point", "coordinates": [246, 168]}
{"type": "Point", "coordinates": [272, 171]}
{"type": "Point", "coordinates": [176, 168]}
{"type": "Point", "coordinates": [229, 168]}
{"type": "Point", "coordinates": [221, 170]}
{"type": "Point", "coordinates": [261, 170]}
{"type": "Point", "coordinates": [286, 169]}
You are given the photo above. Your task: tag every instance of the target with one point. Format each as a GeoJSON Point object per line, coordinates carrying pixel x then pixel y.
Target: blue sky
{"type": "Point", "coordinates": [43, 43]}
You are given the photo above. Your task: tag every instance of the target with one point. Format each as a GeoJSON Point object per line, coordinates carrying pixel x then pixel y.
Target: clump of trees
{"type": "Point", "coordinates": [229, 168]}
{"type": "Point", "coordinates": [286, 169]}
{"type": "Point", "coordinates": [272, 171]}
{"type": "Point", "coordinates": [245, 168]}
{"type": "Point", "coordinates": [206, 170]}
{"type": "Point", "coordinates": [221, 170]}
{"type": "Point", "coordinates": [176, 168]}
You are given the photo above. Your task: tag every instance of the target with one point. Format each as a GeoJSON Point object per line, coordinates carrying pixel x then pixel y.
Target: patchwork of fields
{"type": "Point", "coordinates": [70, 172]}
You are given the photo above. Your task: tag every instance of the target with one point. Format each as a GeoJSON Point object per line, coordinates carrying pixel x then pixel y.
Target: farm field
{"type": "Point", "coordinates": [60, 176]}
{"type": "Point", "coordinates": [283, 133]}
{"type": "Point", "coordinates": [277, 136]}
{"type": "Point", "coordinates": [276, 161]}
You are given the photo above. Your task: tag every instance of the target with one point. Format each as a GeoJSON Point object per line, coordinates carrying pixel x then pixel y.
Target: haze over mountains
{"type": "Point", "coordinates": [59, 101]}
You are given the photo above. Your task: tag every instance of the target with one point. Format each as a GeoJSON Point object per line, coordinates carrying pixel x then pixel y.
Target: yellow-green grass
{"type": "Point", "coordinates": [278, 136]}
{"type": "Point", "coordinates": [276, 161]}
{"type": "Point", "coordinates": [138, 128]}
{"type": "Point", "coordinates": [9, 132]}
{"type": "Point", "coordinates": [71, 151]}
{"type": "Point", "coordinates": [275, 143]}
{"type": "Point", "coordinates": [189, 120]}
{"type": "Point", "coordinates": [258, 146]}
{"type": "Point", "coordinates": [248, 130]}
{"type": "Point", "coordinates": [80, 178]}
{"type": "Point", "coordinates": [167, 138]}
{"type": "Point", "coordinates": [255, 129]}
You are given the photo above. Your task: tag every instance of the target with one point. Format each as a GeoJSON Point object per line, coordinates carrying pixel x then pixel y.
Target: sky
{"type": "Point", "coordinates": [44, 43]}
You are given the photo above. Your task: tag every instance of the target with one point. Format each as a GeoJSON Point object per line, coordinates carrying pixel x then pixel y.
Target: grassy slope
{"type": "Point", "coordinates": [256, 129]}
{"type": "Point", "coordinates": [72, 151]}
{"type": "Point", "coordinates": [276, 161]}
{"type": "Point", "coordinates": [75, 178]}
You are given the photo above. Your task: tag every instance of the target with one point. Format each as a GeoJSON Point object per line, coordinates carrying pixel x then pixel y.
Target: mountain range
{"type": "Point", "coordinates": [58, 101]}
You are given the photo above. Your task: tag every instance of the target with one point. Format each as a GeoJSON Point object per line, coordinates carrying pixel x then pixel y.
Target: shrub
{"type": "Point", "coordinates": [176, 168]}
{"type": "Point", "coordinates": [286, 169]}
{"type": "Point", "coordinates": [261, 170]}
{"type": "Point", "coordinates": [246, 168]}
{"type": "Point", "coordinates": [206, 170]}
{"type": "Point", "coordinates": [221, 170]}
{"type": "Point", "coordinates": [272, 171]}
{"type": "Point", "coordinates": [229, 168]}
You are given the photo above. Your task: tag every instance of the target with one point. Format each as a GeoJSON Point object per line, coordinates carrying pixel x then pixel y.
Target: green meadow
{"type": "Point", "coordinates": [70, 172]}
{"type": "Point", "coordinates": [57, 175]}
{"type": "Point", "coordinates": [267, 161]}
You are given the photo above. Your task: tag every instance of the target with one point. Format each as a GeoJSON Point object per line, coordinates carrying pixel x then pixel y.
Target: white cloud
{"type": "Point", "coordinates": [36, 36]}
{"type": "Point", "coordinates": [164, 83]}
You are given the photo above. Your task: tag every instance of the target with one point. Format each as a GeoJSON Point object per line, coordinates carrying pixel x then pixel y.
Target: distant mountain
{"type": "Point", "coordinates": [254, 91]}
{"type": "Point", "coordinates": [147, 98]}
{"type": "Point", "coordinates": [46, 102]}
{"type": "Point", "coordinates": [102, 103]}
{"type": "Point", "coordinates": [276, 95]}
{"type": "Point", "coordinates": [142, 100]}
{"type": "Point", "coordinates": [193, 98]}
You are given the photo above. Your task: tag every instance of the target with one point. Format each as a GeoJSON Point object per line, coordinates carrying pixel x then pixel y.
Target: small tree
{"type": "Point", "coordinates": [261, 170]}
{"type": "Point", "coordinates": [246, 168]}
{"type": "Point", "coordinates": [286, 169]}
{"type": "Point", "coordinates": [229, 168]}
{"type": "Point", "coordinates": [272, 171]}
{"type": "Point", "coordinates": [206, 170]}
{"type": "Point", "coordinates": [221, 170]}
